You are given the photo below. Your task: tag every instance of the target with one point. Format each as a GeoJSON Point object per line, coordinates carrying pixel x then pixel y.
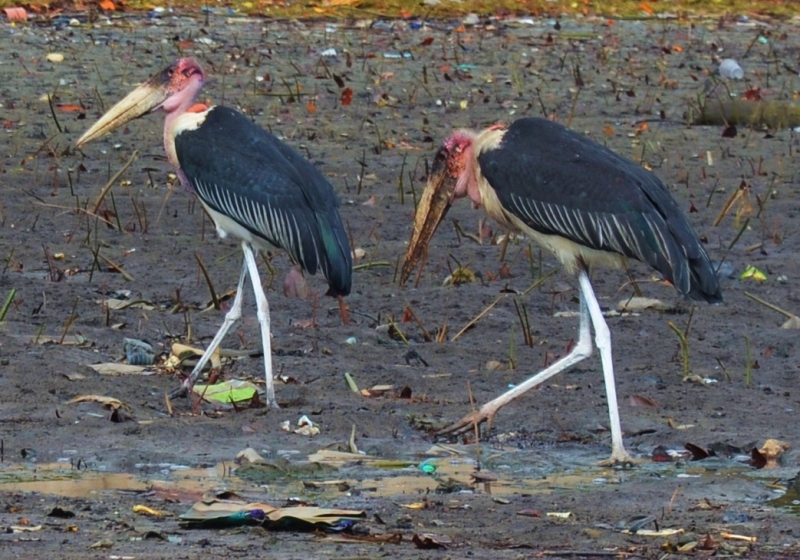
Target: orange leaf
{"type": "Point", "coordinates": [608, 130]}
{"type": "Point", "coordinates": [643, 127]}
{"type": "Point", "coordinates": [407, 315]}
{"type": "Point", "coordinates": [460, 29]}
{"type": "Point", "coordinates": [70, 108]}
{"type": "Point", "coordinates": [677, 48]}
{"type": "Point", "coordinates": [107, 5]}
{"type": "Point", "coordinates": [311, 107]}
{"type": "Point", "coordinates": [646, 8]}
{"type": "Point", "coordinates": [752, 94]}
{"type": "Point", "coordinates": [347, 96]}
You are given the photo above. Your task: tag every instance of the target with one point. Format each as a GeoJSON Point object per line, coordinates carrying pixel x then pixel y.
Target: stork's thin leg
{"type": "Point", "coordinates": [343, 311]}
{"type": "Point", "coordinates": [230, 318]}
{"type": "Point", "coordinates": [602, 337]}
{"type": "Point", "coordinates": [263, 319]}
{"type": "Point", "coordinates": [582, 350]}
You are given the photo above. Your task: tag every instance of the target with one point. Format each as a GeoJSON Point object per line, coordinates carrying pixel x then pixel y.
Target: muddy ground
{"type": "Point", "coordinates": [626, 84]}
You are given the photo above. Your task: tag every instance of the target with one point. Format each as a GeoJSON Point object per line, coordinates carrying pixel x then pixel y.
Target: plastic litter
{"type": "Point", "coordinates": [730, 69]}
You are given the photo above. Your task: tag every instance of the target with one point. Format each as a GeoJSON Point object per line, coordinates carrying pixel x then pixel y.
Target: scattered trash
{"type": "Point", "coordinates": [182, 352]}
{"type": "Point", "coordinates": [559, 514]}
{"type": "Point", "coordinates": [329, 53]}
{"type": "Point", "coordinates": [233, 511]}
{"type": "Point", "coordinates": [305, 427]}
{"type": "Point", "coordinates": [139, 352]}
{"type": "Point", "coordinates": [634, 524]}
{"type": "Point", "coordinates": [730, 69]}
{"type": "Point", "coordinates": [16, 14]}
{"type": "Point", "coordinates": [227, 392]}
{"type": "Point", "coordinates": [351, 340]}
{"type": "Point", "coordinates": [427, 467]}
{"type": "Point", "coordinates": [25, 528]}
{"type": "Point", "coordinates": [471, 19]}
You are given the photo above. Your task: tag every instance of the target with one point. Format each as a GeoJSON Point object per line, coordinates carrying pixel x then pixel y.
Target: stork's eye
{"type": "Point", "coordinates": [170, 72]}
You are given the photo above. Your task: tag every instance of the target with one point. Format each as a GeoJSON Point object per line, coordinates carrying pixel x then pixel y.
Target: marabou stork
{"type": "Point", "coordinates": [585, 203]}
{"type": "Point", "coordinates": [254, 187]}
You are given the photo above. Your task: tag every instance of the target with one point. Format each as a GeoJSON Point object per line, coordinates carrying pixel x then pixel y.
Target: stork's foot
{"type": "Point", "coordinates": [470, 422]}
{"type": "Point", "coordinates": [619, 459]}
{"type": "Point", "coordinates": [181, 391]}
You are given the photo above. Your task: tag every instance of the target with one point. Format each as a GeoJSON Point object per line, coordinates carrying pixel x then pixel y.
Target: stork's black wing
{"type": "Point", "coordinates": [267, 187]}
{"type": "Point", "coordinates": [562, 183]}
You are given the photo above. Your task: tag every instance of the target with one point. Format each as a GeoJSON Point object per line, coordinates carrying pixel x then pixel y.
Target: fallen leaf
{"type": "Point", "coordinates": [426, 541]}
{"type": "Point", "coordinates": [248, 455]}
{"type": "Point", "coordinates": [767, 456]}
{"type": "Point", "coordinates": [640, 401]}
{"type": "Point", "coordinates": [641, 303]}
{"type": "Point", "coordinates": [25, 529]}
{"type": "Point", "coordinates": [529, 513]}
{"type": "Point", "coordinates": [108, 402]}
{"type": "Point", "coordinates": [698, 453]}
{"type": "Point", "coordinates": [144, 510]}
{"type": "Point", "coordinates": [114, 368]}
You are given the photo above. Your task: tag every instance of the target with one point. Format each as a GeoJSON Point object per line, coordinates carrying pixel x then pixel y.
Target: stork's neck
{"type": "Point", "coordinates": [176, 106]}
{"type": "Point", "coordinates": [467, 184]}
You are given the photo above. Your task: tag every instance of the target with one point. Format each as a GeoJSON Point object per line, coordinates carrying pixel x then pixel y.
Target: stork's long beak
{"type": "Point", "coordinates": [145, 99]}
{"type": "Point", "coordinates": [432, 208]}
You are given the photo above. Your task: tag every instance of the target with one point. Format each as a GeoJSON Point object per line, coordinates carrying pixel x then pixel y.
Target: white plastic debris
{"type": "Point", "coordinates": [730, 69]}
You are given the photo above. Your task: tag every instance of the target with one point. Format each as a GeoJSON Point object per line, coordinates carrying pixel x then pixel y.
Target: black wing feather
{"type": "Point", "coordinates": [562, 183]}
{"type": "Point", "coordinates": [267, 187]}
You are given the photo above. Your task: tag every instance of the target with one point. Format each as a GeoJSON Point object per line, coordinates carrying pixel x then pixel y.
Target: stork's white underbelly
{"type": "Point", "coordinates": [570, 254]}
{"type": "Point", "coordinates": [227, 226]}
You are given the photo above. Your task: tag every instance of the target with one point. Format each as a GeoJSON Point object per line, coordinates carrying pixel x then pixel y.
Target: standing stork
{"type": "Point", "coordinates": [254, 187]}
{"type": "Point", "coordinates": [585, 203]}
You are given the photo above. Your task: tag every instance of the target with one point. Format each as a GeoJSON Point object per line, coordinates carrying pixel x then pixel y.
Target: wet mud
{"type": "Point", "coordinates": [367, 102]}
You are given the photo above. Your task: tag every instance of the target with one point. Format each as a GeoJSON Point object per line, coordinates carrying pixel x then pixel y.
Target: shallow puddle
{"type": "Point", "coordinates": [511, 473]}
{"type": "Point", "coordinates": [62, 480]}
